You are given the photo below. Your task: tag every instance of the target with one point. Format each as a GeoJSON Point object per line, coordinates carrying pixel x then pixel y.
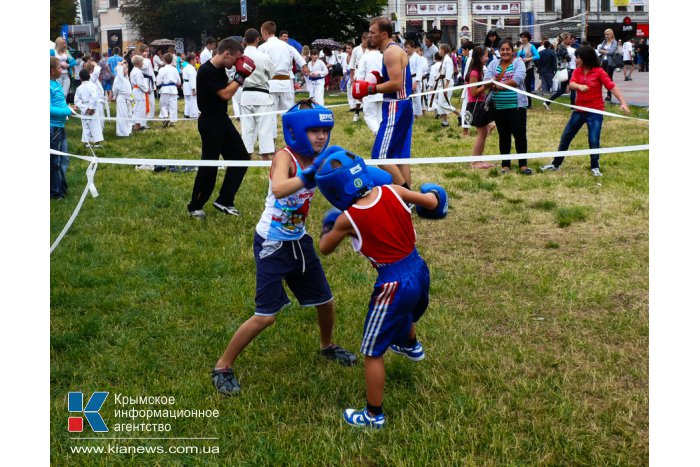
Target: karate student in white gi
{"type": "Point", "coordinates": [255, 99]}
{"type": "Point", "coordinates": [150, 75]}
{"type": "Point", "coordinates": [101, 111]}
{"type": "Point", "coordinates": [207, 51]}
{"type": "Point", "coordinates": [121, 89]}
{"type": "Point", "coordinates": [445, 79]}
{"type": "Point", "coordinates": [416, 65]}
{"type": "Point", "coordinates": [317, 77]}
{"type": "Point", "coordinates": [86, 100]}
{"type": "Point", "coordinates": [355, 57]}
{"type": "Point", "coordinates": [371, 63]}
{"type": "Point", "coordinates": [282, 56]}
{"type": "Point", "coordinates": [168, 80]}
{"type": "Point", "coordinates": [139, 86]}
{"type": "Point", "coordinates": [189, 87]}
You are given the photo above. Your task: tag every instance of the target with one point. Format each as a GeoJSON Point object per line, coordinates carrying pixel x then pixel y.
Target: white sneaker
{"type": "Point", "coordinates": [355, 118]}
{"type": "Point", "coordinates": [546, 105]}
{"type": "Point", "coordinates": [596, 172]}
{"type": "Point", "coordinates": [549, 167]}
{"type": "Point", "coordinates": [197, 214]}
{"type": "Point", "coordinates": [144, 167]}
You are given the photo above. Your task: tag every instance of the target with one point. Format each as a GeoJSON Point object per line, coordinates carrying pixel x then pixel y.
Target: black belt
{"type": "Point", "coordinates": [186, 81]}
{"type": "Point", "coordinates": [413, 75]}
{"type": "Point", "coordinates": [253, 88]}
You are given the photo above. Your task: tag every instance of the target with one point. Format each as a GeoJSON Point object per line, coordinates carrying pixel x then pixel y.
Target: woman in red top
{"type": "Point", "coordinates": [587, 80]}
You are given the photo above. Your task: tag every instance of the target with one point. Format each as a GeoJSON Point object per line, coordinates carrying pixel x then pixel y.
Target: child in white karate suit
{"type": "Point", "coordinates": [86, 100]}
{"type": "Point", "coordinates": [101, 111]}
{"type": "Point", "coordinates": [317, 78]}
{"type": "Point", "coordinates": [168, 80]}
{"type": "Point", "coordinates": [189, 87]}
{"type": "Point", "coordinates": [139, 87]}
{"type": "Point", "coordinates": [121, 90]}
{"type": "Point", "coordinates": [150, 76]}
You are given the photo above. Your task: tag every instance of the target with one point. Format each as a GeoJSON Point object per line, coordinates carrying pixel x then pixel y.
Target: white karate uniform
{"type": "Point", "coordinates": [204, 56]}
{"type": "Point", "coordinates": [168, 80]}
{"type": "Point", "coordinates": [147, 70]}
{"type": "Point", "coordinates": [424, 82]}
{"type": "Point", "coordinates": [432, 83]}
{"type": "Point", "coordinates": [416, 65]}
{"type": "Point", "coordinates": [372, 105]}
{"type": "Point", "coordinates": [102, 110]}
{"type": "Point", "coordinates": [189, 89]}
{"type": "Point", "coordinates": [139, 87]}
{"type": "Point", "coordinates": [357, 53]}
{"type": "Point", "coordinates": [122, 92]}
{"type": "Point", "coordinates": [86, 97]}
{"type": "Point", "coordinates": [255, 100]}
{"type": "Point", "coordinates": [316, 81]}
{"type": "Point", "coordinates": [282, 56]}
{"type": "Point", "coordinates": [444, 105]}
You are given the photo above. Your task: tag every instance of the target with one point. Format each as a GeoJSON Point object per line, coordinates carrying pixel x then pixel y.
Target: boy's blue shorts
{"type": "Point", "coordinates": [294, 261]}
{"type": "Point", "coordinates": [400, 297]}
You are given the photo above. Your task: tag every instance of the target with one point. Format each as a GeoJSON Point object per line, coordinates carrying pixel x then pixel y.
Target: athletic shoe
{"type": "Point", "coordinates": [340, 355]}
{"type": "Point", "coordinates": [355, 118]}
{"type": "Point", "coordinates": [596, 172]}
{"type": "Point", "coordinates": [547, 167]}
{"type": "Point", "coordinates": [230, 210]}
{"type": "Point", "coordinates": [144, 167]}
{"type": "Point", "coordinates": [198, 214]}
{"type": "Point", "coordinates": [362, 418]}
{"type": "Point", "coordinates": [445, 124]}
{"type": "Point", "coordinates": [415, 353]}
{"type": "Point", "coordinates": [224, 381]}
{"type": "Point", "coordinates": [160, 168]}
{"type": "Point", "coordinates": [546, 105]}
{"type": "Point", "coordinates": [527, 171]}
{"type": "Point", "coordinates": [165, 124]}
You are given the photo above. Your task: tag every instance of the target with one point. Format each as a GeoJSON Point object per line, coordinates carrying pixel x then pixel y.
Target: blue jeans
{"type": "Point", "coordinates": [59, 164]}
{"type": "Point", "coordinates": [594, 123]}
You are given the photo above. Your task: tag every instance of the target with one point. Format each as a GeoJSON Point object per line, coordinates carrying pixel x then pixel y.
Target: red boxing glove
{"type": "Point", "coordinates": [362, 88]}
{"type": "Point", "coordinates": [245, 66]}
{"type": "Point", "coordinates": [378, 75]}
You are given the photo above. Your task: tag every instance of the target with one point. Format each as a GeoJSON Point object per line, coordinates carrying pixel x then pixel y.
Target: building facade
{"type": "Point", "coordinates": [471, 19]}
{"type": "Point", "coordinates": [112, 28]}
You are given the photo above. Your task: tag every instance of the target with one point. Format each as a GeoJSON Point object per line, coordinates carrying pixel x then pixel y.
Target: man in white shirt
{"type": "Point", "coordinates": [416, 65]}
{"type": "Point", "coordinates": [357, 53]}
{"type": "Point", "coordinates": [282, 56]}
{"type": "Point", "coordinates": [207, 51]}
{"type": "Point", "coordinates": [255, 99]}
{"type": "Point", "coordinates": [370, 62]}
{"type": "Point", "coordinates": [167, 81]}
{"type": "Point", "coordinates": [628, 58]}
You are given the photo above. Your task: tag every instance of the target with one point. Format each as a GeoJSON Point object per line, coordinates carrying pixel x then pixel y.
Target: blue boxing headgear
{"type": "Point", "coordinates": [343, 178]}
{"type": "Point", "coordinates": [296, 121]}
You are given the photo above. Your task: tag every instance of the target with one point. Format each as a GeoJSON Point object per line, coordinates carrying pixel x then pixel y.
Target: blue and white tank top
{"type": "Point", "coordinates": [285, 218]}
{"type": "Point", "coordinates": [405, 90]}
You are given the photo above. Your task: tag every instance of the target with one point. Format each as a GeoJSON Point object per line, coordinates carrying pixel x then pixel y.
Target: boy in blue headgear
{"type": "Point", "coordinates": [283, 250]}
{"type": "Point", "coordinates": [378, 221]}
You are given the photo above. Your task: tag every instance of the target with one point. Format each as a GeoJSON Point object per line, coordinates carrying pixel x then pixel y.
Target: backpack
{"type": "Point", "coordinates": [105, 72]}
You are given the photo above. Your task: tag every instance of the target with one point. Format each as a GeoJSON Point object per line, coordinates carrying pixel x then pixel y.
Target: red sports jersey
{"type": "Point", "coordinates": [384, 229]}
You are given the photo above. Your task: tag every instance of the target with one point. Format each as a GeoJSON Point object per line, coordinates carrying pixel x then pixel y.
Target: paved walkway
{"type": "Point", "coordinates": [636, 92]}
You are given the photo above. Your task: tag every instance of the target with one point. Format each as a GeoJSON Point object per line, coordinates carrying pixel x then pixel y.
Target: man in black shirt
{"type": "Point", "coordinates": [219, 136]}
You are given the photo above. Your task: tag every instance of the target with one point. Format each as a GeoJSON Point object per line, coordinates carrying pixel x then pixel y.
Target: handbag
{"type": "Point", "coordinates": [617, 60]}
{"type": "Point", "coordinates": [477, 114]}
{"type": "Point", "coordinates": [562, 75]}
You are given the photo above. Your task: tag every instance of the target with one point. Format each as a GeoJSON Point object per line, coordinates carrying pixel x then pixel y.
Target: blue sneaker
{"type": "Point", "coordinates": [363, 418]}
{"type": "Point", "coordinates": [415, 353]}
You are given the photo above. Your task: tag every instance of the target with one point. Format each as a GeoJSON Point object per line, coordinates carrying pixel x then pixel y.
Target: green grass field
{"type": "Point", "coordinates": [536, 338]}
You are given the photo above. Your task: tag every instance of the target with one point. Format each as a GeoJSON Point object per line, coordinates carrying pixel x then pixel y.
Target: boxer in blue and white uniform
{"type": "Point", "coordinates": [283, 250]}
{"type": "Point", "coordinates": [394, 136]}
{"type": "Point", "coordinates": [378, 221]}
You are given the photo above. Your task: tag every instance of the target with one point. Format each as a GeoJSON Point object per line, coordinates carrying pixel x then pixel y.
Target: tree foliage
{"type": "Point", "coordinates": [305, 20]}
{"type": "Point", "coordinates": [61, 12]}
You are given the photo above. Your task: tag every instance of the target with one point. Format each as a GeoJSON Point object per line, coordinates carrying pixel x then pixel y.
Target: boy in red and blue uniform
{"type": "Point", "coordinates": [378, 221]}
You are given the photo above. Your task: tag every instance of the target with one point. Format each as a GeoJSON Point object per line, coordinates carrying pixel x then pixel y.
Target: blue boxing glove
{"type": "Point", "coordinates": [441, 210]}
{"type": "Point", "coordinates": [308, 175]}
{"type": "Point", "coordinates": [329, 219]}
{"type": "Point", "coordinates": [379, 176]}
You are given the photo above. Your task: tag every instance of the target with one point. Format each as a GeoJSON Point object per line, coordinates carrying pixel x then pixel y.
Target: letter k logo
{"type": "Point", "coordinates": [91, 411]}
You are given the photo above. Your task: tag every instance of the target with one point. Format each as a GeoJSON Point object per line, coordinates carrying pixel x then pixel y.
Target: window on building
{"type": "Point", "coordinates": [622, 8]}
{"type": "Point", "coordinates": [604, 5]}
{"type": "Point", "coordinates": [548, 6]}
{"type": "Point", "coordinates": [114, 3]}
{"type": "Point", "coordinates": [639, 8]}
